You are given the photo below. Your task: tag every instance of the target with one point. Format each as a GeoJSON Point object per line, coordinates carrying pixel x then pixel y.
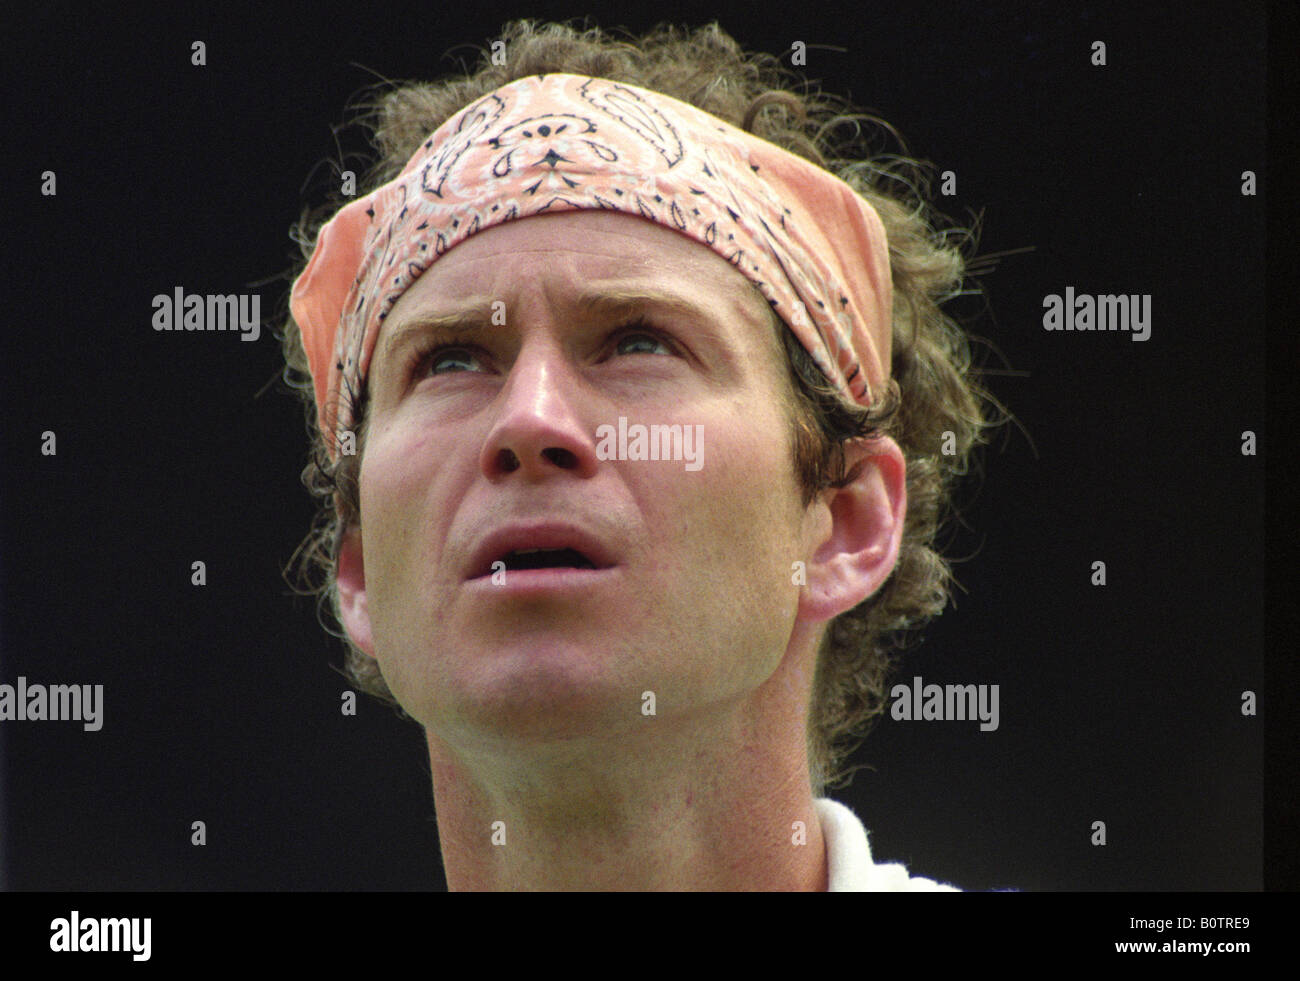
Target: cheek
{"type": "Point", "coordinates": [742, 509]}
{"type": "Point", "coordinates": [395, 482]}
{"type": "Point", "coordinates": [746, 540]}
{"type": "Point", "coordinates": [754, 469]}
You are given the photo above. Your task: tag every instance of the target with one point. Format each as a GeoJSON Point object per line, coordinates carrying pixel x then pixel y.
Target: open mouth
{"type": "Point", "coordinates": [535, 547]}
{"type": "Point", "coordinates": [545, 558]}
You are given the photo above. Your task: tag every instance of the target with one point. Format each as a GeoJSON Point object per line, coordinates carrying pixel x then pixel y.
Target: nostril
{"type": "Point", "coordinates": [561, 457]}
{"type": "Point", "coordinates": [508, 461]}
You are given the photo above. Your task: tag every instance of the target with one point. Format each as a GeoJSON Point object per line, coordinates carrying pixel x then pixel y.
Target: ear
{"type": "Point", "coordinates": [852, 559]}
{"type": "Point", "coordinates": [353, 607]}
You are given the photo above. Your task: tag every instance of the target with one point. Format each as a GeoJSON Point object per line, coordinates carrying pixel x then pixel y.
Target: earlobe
{"type": "Point", "coordinates": [853, 560]}
{"type": "Point", "coordinates": [351, 577]}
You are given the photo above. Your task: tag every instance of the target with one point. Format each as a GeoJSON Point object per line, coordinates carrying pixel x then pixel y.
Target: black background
{"type": "Point", "coordinates": [1118, 703]}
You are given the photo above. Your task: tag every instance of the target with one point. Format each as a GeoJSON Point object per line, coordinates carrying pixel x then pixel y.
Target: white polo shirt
{"type": "Point", "coordinates": [848, 857]}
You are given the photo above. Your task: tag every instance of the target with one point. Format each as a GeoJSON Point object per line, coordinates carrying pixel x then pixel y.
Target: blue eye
{"type": "Point", "coordinates": [640, 331]}
{"type": "Point", "coordinates": [447, 354]}
{"type": "Point", "coordinates": [639, 337]}
{"type": "Point", "coordinates": [429, 359]}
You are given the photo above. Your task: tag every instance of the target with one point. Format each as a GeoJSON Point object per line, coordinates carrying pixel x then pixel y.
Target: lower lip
{"type": "Point", "coordinates": [540, 582]}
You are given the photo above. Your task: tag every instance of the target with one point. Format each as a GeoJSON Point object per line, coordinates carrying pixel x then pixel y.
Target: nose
{"type": "Point", "coordinates": [539, 428]}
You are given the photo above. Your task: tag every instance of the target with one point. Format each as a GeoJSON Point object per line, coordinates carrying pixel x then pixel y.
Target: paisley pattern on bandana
{"type": "Point", "coordinates": [552, 143]}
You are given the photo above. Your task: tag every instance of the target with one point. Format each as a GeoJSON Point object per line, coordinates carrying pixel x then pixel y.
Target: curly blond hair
{"type": "Point", "coordinates": [932, 408]}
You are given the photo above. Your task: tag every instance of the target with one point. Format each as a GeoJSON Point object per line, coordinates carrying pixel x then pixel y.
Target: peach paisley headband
{"type": "Point", "coordinates": [551, 143]}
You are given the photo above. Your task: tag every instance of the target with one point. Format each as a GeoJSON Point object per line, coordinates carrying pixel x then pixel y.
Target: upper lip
{"type": "Point", "coordinates": [509, 538]}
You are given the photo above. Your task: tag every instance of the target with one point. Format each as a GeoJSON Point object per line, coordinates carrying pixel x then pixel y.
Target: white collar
{"type": "Point", "coordinates": [848, 857]}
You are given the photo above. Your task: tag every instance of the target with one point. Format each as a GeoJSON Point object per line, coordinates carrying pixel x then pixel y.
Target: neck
{"type": "Point", "coordinates": [716, 803]}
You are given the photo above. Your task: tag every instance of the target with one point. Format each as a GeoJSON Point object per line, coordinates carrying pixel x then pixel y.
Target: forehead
{"type": "Point", "coordinates": [571, 255]}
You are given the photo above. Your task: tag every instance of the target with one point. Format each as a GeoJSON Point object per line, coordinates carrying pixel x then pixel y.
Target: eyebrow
{"type": "Point", "coordinates": [472, 315]}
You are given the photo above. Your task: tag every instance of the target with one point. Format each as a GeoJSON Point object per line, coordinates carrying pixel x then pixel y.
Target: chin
{"type": "Point", "coordinates": [524, 689]}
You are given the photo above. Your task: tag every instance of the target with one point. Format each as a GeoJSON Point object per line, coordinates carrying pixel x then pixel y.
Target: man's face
{"type": "Point", "coordinates": [497, 435]}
